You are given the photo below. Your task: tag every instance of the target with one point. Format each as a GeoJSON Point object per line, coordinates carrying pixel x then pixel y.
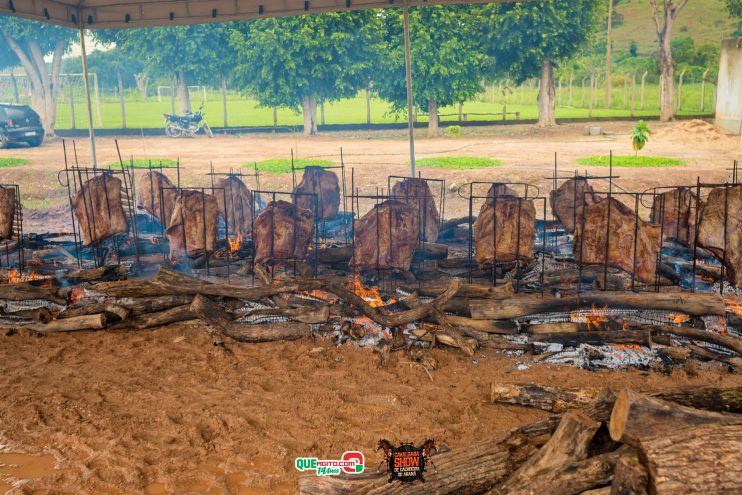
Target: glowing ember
{"type": "Point", "coordinates": [77, 294]}
{"type": "Point", "coordinates": [15, 276]}
{"type": "Point", "coordinates": [236, 243]}
{"type": "Point", "coordinates": [678, 318]}
{"type": "Point", "coordinates": [593, 319]}
{"type": "Point", "coordinates": [371, 296]}
{"type": "Point", "coordinates": [322, 295]}
{"type": "Point", "coordinates": [628, 346]}
{"type": "Point", "coordinates": [733, 306]}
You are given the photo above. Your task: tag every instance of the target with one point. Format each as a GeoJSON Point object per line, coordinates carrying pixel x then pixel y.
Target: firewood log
{"type": "Point", "coordinates": [572, 478]}
{"type": "Point", "coordinates": [552, 399]}
{"type": "Point", "coordinates": [630, 476]}
{"type": "Point", "coordinates": [474, 291]}
{"type": "Point", "coordinates": [213, 314]}
{"type": "Point", "coordinates": [694, 459]}
{"type": "Point", "coordinates": [695, 304]}
{"type": "Point", "coordinates": [142, 305]}
{"type": "Point", "coordinates": [486, 326]}
{"type": "Point", "coordinates": [574, 339]}
{"type": "Point", "coordinates": [604, 490]}
{"type": "Point", "coordinates": [39, 315]}
{"type": "Point", "coordinates": [707, 336]}
{"type": "Point", "coordinates": [568, 444]}
{"type": "Point", "coordinates": [90, 309]}
{"type": "Point", "coordinates": [86, 322]}
{"type": "Point", "coordinates": [560, 327]}
{"type": "Point", "coordinates": [176, 314]}
{"type": "Point", "coordinates": [25, 291]}
{"type": "Point", "coordinates": [636, 416]}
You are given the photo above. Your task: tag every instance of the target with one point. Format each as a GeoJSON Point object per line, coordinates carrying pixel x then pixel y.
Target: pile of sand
{"type": "Point", "coordinates": [690, 131]}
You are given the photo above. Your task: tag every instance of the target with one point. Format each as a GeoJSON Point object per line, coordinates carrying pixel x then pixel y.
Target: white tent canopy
{"type": "Point", "coordinates": [117, 14]}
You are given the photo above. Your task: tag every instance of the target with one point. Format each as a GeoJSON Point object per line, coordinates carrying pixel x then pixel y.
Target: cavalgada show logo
{"type": "Point", "coordinates": [351, 462]}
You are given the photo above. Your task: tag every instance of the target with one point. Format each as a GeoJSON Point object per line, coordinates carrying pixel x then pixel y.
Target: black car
{"type": "Point", "coordinates": [19, 124]}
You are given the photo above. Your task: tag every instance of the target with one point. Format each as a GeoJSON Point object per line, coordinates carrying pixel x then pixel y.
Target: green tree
{"type": "Point", "coordinates": [187, 53]}
{"type": "Point", "coordinates": [528, 39]}
{"type": "Point", "coordinates": [448, 61]}
{"type": "Point", "coordinates": [109, 65]}
{"type": "Point", "coordinates": [28, 43]}
{"type": "Point", "coordinates": [735, 10]}
{"type": "Point", "coordinates": [300, 61]}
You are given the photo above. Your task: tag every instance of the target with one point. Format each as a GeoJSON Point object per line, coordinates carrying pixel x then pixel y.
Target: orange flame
{"type": "Point", "coordinates": [16, 276]}
{"type": "Point", "coordinates": [236, 243]}
{"type": "Point", "coordinates": [733, 306]}
{"type": "Point", "coordinates": [371, 296]}
{"type": "Point", "coordinates": [77, 294]}
{"type": "Point", "coordinates": [594, 319]}
{"type": "Point", "coordinates": [678, 318]}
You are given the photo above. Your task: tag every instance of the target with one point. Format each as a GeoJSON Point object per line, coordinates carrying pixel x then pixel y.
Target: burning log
{"type": "Point", "coordinates": [486, 326]}
{"type": "Point", "coordinates": [154, 304]}
{"type": "Point", "coordinates": [505, 231]}
{"type": "Point", "coordinates": [692, 303]}
{"type": "Point", "coordinates": [7, 212]}
{"type": "Point", "coordinates": [386, 237]}
{"type": "Point", "coordinates": [631, 242]}
{"type": "Point", "coordinates": [698, 459]}
{"type": "Point", "coordinates": [282, 232]}
{"type": "Point", "coordinates": [78, 323]}
{"type": "Point", "coordinates": [474, 291]}
{"type": "Point", "coordinates": [552, 399]}
{"type": "Point", "coordinates": [157, 195]}
{"type": "Point", "coordinates": [720, 210]}
{"type": "Point", "coordinates": [323, 184]}
{"type": "Point", "coordinates": [213, 314]}
{"type": "Point", "coordinates": [416, 193]}
{"type": "Point", "coordinates": [636, 417]}
{"type": "Point", "coordinates": [26, 291]}
{"type": "Point", "coordinates": [567, 202]}
{"type": "Point", "coordinates": [235, 203]}
{"type": "Point", "coordinates": [672, 210]}
{"type": "Point", "coordinates": [731, 343]}
{"type": "Point", "coordinates": [98, 209]}
{"type": "Point", "coordinates": [558, 327]}
{"type": "Point", "coordinates": [192, 227]}
{"type": "Point", "coordinates": [596, 337]}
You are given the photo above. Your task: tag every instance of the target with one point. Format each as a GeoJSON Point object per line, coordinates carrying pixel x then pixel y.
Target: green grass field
{"type": "Point", "coordinates": [283, 165]}
{"type": "Point", "coordinates": [457, 162]}
{"type": "Point", "coordinates": [12, 162]}
{"type": "Point", "coordinates": [571, 103]}
{"type": "Point", "coordinates": [145, 163]}
{"type": "Point", "coordinates": [638, 161]}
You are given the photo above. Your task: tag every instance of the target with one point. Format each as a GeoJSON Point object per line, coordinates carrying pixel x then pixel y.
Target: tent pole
{"type": "Point", "coordinates": [408, 74]}
{"type": "Point", "coordinates": [87, 96]}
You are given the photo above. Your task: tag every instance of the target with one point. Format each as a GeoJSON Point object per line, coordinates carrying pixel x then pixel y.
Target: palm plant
{"type": "Point", "coordinates": [639, 136]}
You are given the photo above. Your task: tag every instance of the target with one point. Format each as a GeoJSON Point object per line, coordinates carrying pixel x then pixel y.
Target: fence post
{"type": "Point", "coordinates": [633, 93]}
{"type": "Point", "coordinates": [72, 104]}
{"type": "Point", "coordinates": [224, 101]}
{"type": "Point", "coordinates": [641, 104]}
{"type": "Point", "coordinates": [582, 93]}
{"type": "Point", "coordinates": [703, 90]}
{"type": "Point", "coordinates": [592, 87]}
{"type": "Point", "coordinates": [559, 93]}
{"type": "Point", "coordinates": [461, 111]}
{"type": "Point", "coordinates": [97, 100]}
{"type": "Point", "coordinates": [322, 112]}
{"type": "Point", "coordinates": [680, 91]}
{"type": "Point", "coordinates": [571, 79]}
{"type": "Point", "coordinates": [121, 98]}
{"type": "Point", "coordinates": [275, 117]}
{"type": "Point", "coordinates": [368, 106]}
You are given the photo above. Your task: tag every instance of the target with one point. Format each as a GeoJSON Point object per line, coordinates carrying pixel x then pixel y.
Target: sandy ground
{"type": "Point", "coordinates": [168, 412]}
{"type": "Point", "coordinates": [528, 156]}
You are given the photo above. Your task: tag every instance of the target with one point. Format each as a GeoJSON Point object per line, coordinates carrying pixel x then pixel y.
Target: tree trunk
{"type": "Point", "coordinates": [142, 84]}
{"type": "Point", "coordinates": [667, 76]}
{"type": "Point", "coordinates": [546, 96]}
{"type": "Point", "coordinates": [309, 110]}
{"type": "Point", "coordinates": [123, 99]}
{"type": "Point", "coordinates": [432, 117]}
{"type": "Point", "coordinates": [630, 477]}
{"type": "Point", "coordinates": [184, 99]}
{"type": "Point", "coordinates": [608, 48]}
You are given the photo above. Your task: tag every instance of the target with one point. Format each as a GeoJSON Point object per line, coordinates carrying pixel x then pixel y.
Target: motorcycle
{"type": "Point", "coordinates": [186, 125]}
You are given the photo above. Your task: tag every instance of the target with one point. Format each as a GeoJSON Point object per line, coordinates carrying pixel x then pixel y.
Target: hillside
{"type": "Point", "coordinates": [706, 21]}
